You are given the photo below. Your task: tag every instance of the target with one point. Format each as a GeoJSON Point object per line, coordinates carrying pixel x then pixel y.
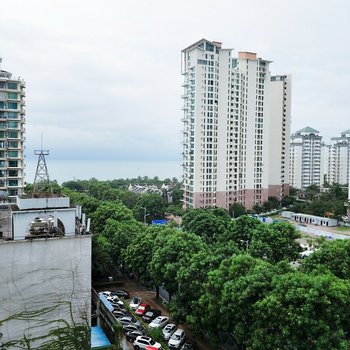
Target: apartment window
{"type": "Point", "coordinates": [12, 124]}
{"type": "Point", "coordinates": [13, 182]}
{"type": "Point", "coordinates": [12, 95]}
{"type": "Point", "coordinates": [12, 86]}
{"type": "Point", "coordinates": [12, 105]}
{"type": "Point", "coordinates": [13, 144]}
{"type": "Point", "coordinates": [12, 153]}
{"type": "Point", "coordinates": [13, 173]}
{"type": "Point", "coordinates": [13, 163]}
{"type": "Point", "coordinates": [12, 134]}
{"type": "Point", "coordinates": [12, 115]}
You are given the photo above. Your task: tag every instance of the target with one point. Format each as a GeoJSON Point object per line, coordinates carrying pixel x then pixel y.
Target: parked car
{"type": "Point", "coordinates": [132, 335]}
{"type": "Point", "coordinates": [142, 309]}
{"type": "Point", "coordinates": [150, 315]}
{"type": "Point", "coordinates": [121, 293]}
{"type": "Point", "coordinates": [118, 304]}
{"type": "Point", "coordinates": [131, 327]}
{"type": "Point", "coordinates": [159, 322]}
{"type": "Point", "coordinates": [106, 293]}
{"type": "Point", "coordinates": [177, 339]}
{"type": "Point", "coordinates": [168, 330]}
{"type": "Point", "coordinates": [128, 320]}
{"type": "Point", "coordinates": [189, 346]}
{"type": "Point", "coordinates": [142, 342]}
{"type": "Point", "coordinates": [135, 302]}
{"type": "Point", "coordinates": [118, 313]}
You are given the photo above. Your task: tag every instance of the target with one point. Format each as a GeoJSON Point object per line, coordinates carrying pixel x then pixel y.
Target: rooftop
{"type": "Point", "coordinates": [308, 129]}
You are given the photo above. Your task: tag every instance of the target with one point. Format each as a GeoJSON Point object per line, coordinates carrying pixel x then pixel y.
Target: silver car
{"type": "Point", "coordinates": [168, 330]}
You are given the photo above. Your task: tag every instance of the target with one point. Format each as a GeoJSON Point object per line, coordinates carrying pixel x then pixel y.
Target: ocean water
{"type": "Point", "coordinates": [65, 170]}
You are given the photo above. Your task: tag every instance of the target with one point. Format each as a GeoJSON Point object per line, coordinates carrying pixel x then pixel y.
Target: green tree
{"type": "Point", "coordinates": [275, 242]}
{"type": "Point", "coordinates": [151, 205]}
{"type": "Point", "coordinates": [210, 224]}
{"type": "Point", "coordinates": [101, 256]}
{"type": "Point", "coordinates": [237, 209]}
{"type": "Point", "coordinates": [333, 256]}
{"type": "Point", "coordinates": [303, 312]}
{"type": "Point", "coordinates": [173, 249]}
{"type": "Point", "coordinates": [120, 234]}
{"type": "Point", "coordinates": [110, 210]}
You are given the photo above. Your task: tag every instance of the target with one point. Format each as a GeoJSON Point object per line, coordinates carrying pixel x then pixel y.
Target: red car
{"type": "Point", "coordinates": [142, 309]}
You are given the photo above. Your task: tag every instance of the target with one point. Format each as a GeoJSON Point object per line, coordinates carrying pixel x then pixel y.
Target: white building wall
{"type": "Point", "coordinates": [22, 219]}
{"type": "Point", "coordinates": [44, 273]}
{"type": "Point", "coordinates": [230, 143]}
{"type": "Point", "coordinates": [279, 135]}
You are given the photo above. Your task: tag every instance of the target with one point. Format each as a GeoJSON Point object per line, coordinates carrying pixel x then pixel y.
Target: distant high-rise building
{"type": "Point", "coordinates": [234, 114]}
{"type": "Point", "coordinates": [305, 158]}
{"type": "Point", "coordinates": [12, 119]}
{"type": "Point", "coordinates": [340, 158]}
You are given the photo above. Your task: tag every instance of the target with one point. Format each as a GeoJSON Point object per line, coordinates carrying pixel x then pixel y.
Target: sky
{"type": "Point", "coordinates": [103, 78]}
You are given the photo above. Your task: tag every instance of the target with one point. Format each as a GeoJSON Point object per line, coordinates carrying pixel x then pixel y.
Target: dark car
{"type": "Point", "coordinates": [121, 293]}
{"type": "Point", "coordinates": [188, 345]}
{"type": "Point", "coordinates": [132, 335]}
{"type": "Point", "coordinates": [151, 314]}
{"type": "Point", "coordinates": [131, 327]}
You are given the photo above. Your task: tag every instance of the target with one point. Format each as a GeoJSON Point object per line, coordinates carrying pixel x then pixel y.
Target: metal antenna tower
{"type": "Point", "coordinates": [42, 178]}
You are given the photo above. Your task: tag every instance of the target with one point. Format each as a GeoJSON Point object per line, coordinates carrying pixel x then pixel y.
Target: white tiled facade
{"type": "Point", "coordinates": [232, 112]}
{"type": "Point", "coordinates": [305, 158]}
{"type": "Point", "coordinates": [12, 119]}
{"type": "Point", "coordinates": [339, 158]}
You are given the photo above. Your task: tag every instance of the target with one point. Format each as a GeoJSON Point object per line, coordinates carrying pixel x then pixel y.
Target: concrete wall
{"type": "Point", "coordinates": [39, 203]}
{"type": "Point", "coordinates": [44, 273]}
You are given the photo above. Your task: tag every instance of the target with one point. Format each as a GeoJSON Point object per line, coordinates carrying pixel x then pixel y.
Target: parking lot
{"type": "Point", "coordinates": [148, 296]}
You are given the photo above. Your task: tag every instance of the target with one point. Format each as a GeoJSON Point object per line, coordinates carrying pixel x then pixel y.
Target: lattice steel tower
{"type": "Point", "coordinates": [42, 180]}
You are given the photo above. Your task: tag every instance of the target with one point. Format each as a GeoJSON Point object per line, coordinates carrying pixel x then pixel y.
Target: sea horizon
{"type": "Point", "coordinates": [66, 170]}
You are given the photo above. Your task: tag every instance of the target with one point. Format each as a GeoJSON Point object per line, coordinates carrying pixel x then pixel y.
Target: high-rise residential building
{"type": "Point", "coordinates": [12, 119]}
{"type": "Point", "coordinates": [305, 158]}
{"type": "Point", "coordinates": [234, 111]}
{"type": "Point", "coordinates": [340, 158]}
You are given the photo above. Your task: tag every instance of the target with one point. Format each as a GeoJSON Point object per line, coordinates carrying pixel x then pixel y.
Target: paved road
{"type": "Point", "coordinates": [320, 232]}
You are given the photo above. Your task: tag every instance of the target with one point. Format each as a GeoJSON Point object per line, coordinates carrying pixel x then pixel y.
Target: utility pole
{"type": "Point", "coordinates": [144, 215]}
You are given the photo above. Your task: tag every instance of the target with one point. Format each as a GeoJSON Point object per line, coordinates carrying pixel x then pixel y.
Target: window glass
{"type": "Point", "coordinates": [13, 144]}
{"type": "Point", "coordinates": [12, 95]}
{"type": "Point", "coordinates": [12, 124]}
{"type": "Point", "coordinates": [1, 104]}
{"type": "Point", "coordinates": [13, 163]}
{"type": "Point", "coordinates": [12, 134]}
{"type": "Point", "coordinates": [2, 135]}
{"type": "Point", "coordinates": [13, 182]}
{"type": "Point", "coordinates": [12, 86]}
{"type": "Point", "coordinates": [12, 105]}
{"type": "Point", "coordinates": [12, 115]}
{"type": "Point", "coordinates": [2, 163]}
{"type": "Point", "coordinates": [12, 153]}
{"type": "Point", "coordinates": [13, 173]}
{"type": "Point", "coordinates": [2, 125]}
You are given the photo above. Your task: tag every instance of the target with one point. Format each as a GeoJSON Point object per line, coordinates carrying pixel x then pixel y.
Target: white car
{"type": "Point", "coordinates": [177, 339]}
{"type": "Point", "coordinates": [168, 330]}
{"type": "Point", "coordinates": [142, 343]}
{"type": "Point", "coordinates": [135, 303]}
{"type": "Point", "coordinates": [159, 322]}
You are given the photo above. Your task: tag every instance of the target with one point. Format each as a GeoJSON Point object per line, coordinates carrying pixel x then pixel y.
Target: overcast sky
{"type": "Point", "coordinates": [103, 77]}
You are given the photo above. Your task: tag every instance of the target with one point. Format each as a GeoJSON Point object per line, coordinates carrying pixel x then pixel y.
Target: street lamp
{"type": "Point", "coordinates": [246, 242]}
{"type": "Point", "coordinates": [145, 215]}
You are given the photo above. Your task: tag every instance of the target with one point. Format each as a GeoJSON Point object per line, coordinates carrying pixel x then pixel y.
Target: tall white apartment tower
{"type": "Point", "coordinates": [227, 126]}
{"type": "Point", "coordinates": [305, 158]}
{"type": "Point", "coordinates": [12, 119]}
{"type": "Point", "coordinates": [279, 135]}
{"type": "Point", "coordinates": [340, 158]}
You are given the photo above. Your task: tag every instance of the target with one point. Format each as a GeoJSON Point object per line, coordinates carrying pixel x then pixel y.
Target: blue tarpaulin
{"type": "Point", "coordinates": [159, 222]}
{"type": "Point", "coordinates": [99, 340]}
